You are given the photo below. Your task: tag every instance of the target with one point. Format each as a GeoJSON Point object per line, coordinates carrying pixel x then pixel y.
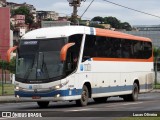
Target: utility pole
{"type": "Point", "coordinates": [75, 4]}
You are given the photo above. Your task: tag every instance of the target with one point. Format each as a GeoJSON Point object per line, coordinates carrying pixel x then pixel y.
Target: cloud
{"type": "Point", "coordinates": [101, 8]}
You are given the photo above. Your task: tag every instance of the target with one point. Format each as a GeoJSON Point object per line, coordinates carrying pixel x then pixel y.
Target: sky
{"type": "Point", "coordinates": [104, 9]}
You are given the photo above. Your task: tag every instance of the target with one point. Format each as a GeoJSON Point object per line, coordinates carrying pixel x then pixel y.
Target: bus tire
{"type": "Point", "coordinates": [100, 100]}
{"type": "Point", "coordinates": [84, 97]}
{"type": "Point", "coordinates": [134, 95]}
{"type": "Point", "coordinates": [43, 104]}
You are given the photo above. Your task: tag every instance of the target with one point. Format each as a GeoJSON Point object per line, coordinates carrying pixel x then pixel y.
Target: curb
{"type": "Point", "coordinates": [12, 99]}
{"type": "Point", "coordinates": [155, 91]}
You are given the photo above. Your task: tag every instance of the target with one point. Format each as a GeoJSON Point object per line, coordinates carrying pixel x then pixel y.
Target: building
{"type": "Point", "coordinates": [19, 19]}
{"type": "Point", "coordinates": [147, 27]}
{"type": "Point", "coordinates": [62, 18]}
{"type": "Point", "coordinates": [44, 15]}
{"type": "Point", "coordinates": [14, 6]}
{"type": "Point", "coordinates": [106, 26]}
{"type": "Point", "coordinates": [83, 22]}
{"type": "Point", "coordinates": [18, 27]}
{"type": "Point", "coordinates": [5, 37]}
{"type": "Point", "coordinates": [54, 23]}
{"type": "Point", "coordinates": [2, 3]}
{"type": "Point", "coordinates": [32, 11]}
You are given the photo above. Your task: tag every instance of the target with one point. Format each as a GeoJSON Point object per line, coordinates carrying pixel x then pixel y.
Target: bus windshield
{"type": "Point", "coordinates": [39, 60]}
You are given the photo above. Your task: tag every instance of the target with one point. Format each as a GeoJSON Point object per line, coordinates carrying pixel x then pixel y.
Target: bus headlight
{"type": "Point", "coordinates": [17, 96]}
{"type": "Point", "coordinates": [57, 87]}
{"type": "Point", "coordinates": [17, 87]}
{"type": "Point", "coordinates": [60, 85]}
{"type": "Point", "coordinates": [58, 95]}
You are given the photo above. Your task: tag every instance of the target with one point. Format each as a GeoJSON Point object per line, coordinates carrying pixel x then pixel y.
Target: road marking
{"type": "Point", "coordinates": [4, 118]}
{"type": "Point", "coordinates": [124, 104]}
{"type": "Point", "coordinates": [78, 110]}
{"type": "Point", "coordinates": [7, 118]}
{"type": "Point", "coordinates": [132, 103]}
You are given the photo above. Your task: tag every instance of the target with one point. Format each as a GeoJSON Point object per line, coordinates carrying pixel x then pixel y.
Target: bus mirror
{"type": "Point", "coordinates": [64, 49]}
{"type": "Point", "coordinates": [9, 52]}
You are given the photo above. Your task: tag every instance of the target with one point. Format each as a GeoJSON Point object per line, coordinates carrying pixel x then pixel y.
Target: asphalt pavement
{"type": "Point", "coordinates": [114, 108]}
{"type": "Point", "coordinates": [12, 98]}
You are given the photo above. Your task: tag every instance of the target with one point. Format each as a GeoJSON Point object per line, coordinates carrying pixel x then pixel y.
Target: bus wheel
{"type": "Point", "coordinates": [84, 97]}
{"type": "Point", "coordinates": [100, 100]}
{"type": "Point", "coordinates": [134, 95]}
{"type": "Point", "coordinates": [43, 104]}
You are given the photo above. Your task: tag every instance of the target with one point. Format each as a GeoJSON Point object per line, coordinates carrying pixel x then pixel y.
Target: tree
{"type": "Point", "coordinates": [97, 26]}
{"type": "Point", "coordinates": [48, 19]}
{"type": "Point", "coordinates": [98, 18]}
{"type": "Point", "coordinates": [126, 26]}
{"type": "Point", "coordinates": [114, 22]}
{"type": "Point", "coordinates": [11, 26]}
{"type": "Point", "coordinates": [24, 11]}
{"type": "Point", "coordinates": [156, 53]}
{"type": "Point", "coordinates": [8, 65]}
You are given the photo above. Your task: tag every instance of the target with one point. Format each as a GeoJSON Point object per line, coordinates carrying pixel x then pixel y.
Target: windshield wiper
{"type": "Point", "coordinates": [29, 70]}
{"type": "Point", "coordinates": [45, 67]}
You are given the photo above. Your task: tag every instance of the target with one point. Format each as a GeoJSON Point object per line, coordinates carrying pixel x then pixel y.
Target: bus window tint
{"type": "Point", "coordinates": [89, 47]}
{"type": "Point", "coordinates": [142, 50]}
{"type": "Point", "coordinates": [73, 53]}
{"type": "Point", "coordinates": [103, 47]}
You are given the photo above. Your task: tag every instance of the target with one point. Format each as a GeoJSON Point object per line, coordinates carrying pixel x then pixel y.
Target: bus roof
{"type": "Point", "coordinates": [64, 31]}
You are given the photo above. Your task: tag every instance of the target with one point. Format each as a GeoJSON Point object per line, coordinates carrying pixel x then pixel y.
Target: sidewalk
{"type": "Point", "coordinates": [13, 99]}
{"type": "Point", "coordinates": [7, 99]}
{"type": "Point", "coordinates": [155, 90]}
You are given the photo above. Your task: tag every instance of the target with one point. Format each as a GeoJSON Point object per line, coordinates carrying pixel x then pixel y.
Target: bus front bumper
{"type": "Point", "coordinates": [57, 95]}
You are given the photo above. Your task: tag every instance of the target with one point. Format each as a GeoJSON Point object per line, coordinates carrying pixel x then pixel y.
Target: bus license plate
{"type": "Point", "coordinates": [37, 86]}
{"type": "Point", "coordinates": [36, 97]}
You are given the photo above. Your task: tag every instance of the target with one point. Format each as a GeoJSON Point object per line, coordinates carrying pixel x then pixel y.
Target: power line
{"type": "Point", "coordinates": [87, 8]}
{"type": "Point", "coordinates": [132, 9]}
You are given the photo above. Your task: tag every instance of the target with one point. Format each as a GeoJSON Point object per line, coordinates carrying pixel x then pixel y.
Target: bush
{"type": "Point", "coordinates": [8, 66]}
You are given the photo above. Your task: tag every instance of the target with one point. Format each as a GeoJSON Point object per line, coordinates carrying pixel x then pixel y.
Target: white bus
{"type": "Point", "coordinates": [78, 63]}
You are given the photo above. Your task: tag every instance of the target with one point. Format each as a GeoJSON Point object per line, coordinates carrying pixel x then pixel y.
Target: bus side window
{"type": "Point", "coordinates": [127, 49]}
{"type": "Point", "coordinates": [73, 52]}
{"type": "Point", "coordinates": [142, 50]}
{"type": "Point", "coordinates": [89, 48]}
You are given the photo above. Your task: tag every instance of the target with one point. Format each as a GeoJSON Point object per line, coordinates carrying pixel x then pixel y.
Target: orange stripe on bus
{"type": "Point", "coordinates": [115, 34]}
{"type": "Point", "coordinates": [63, 53]}
{"type": "Point", "coordinates": [123, 59]}
{"type": "Point", "coordinates": [9, 52]}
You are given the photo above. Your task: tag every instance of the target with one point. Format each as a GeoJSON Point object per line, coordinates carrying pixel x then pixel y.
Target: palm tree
{"type": "Point", "coordinates": [156, 53]}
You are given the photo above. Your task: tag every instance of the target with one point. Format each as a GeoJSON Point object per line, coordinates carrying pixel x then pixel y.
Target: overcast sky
{"type": "Point", "coordinates": [102, 8]}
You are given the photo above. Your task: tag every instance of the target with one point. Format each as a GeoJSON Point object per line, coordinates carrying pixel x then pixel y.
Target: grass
{"type": "Point", "coordinates": [8, 89]}
{"type": "Point", "coordinates": [157, 86]}
{"type": "Point", "coordinates": [139, 118]}
{"type": "Point", "coordinates": [142, 118]}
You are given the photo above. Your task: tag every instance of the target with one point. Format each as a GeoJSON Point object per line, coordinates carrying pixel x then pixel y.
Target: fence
{"type": "Point", "coordinates": [6, 83]}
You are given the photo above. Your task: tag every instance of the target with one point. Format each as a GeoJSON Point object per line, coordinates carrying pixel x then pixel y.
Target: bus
{"type": "Point", "coordinates": [76, 63]}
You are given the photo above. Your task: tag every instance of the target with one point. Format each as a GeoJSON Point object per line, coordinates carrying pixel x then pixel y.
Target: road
{"type": "Point", "coordinates": [114, 107]}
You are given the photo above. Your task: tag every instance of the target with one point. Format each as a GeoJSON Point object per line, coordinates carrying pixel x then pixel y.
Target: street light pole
{"type": "Point", "coordinates": [156, 61]}
{"type": "Point", "coordinates": [75, 4]}
{"type": "Point", "coordinates": [74, 15]}
{"type": "Point", "coordinates": [2, 77]}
